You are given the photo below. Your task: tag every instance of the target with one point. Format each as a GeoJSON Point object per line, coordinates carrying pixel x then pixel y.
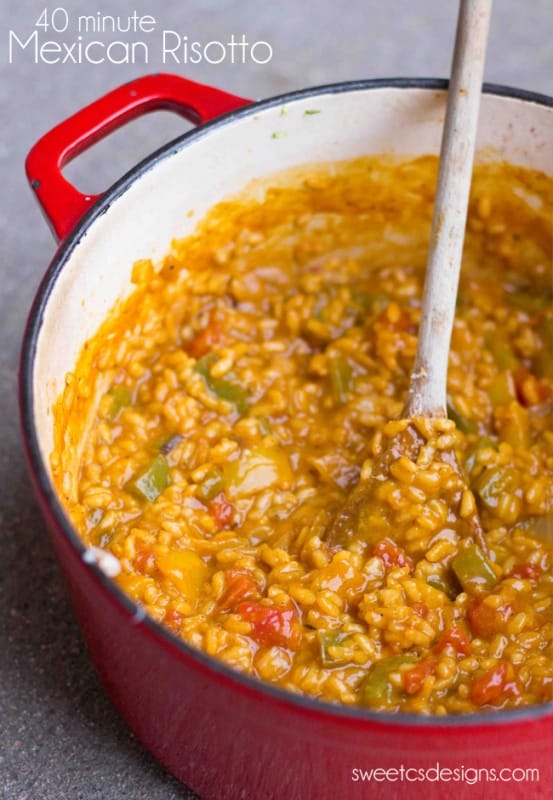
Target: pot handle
{"type": "Point", "coordinates": [62, 203]}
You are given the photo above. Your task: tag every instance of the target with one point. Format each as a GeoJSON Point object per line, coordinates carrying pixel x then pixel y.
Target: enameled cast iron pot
{"type": "Point", "coordinates": [223, 734]}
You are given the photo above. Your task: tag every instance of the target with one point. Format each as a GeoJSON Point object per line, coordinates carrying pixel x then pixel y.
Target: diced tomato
{"type": "Point", "coordinates": [392, 554]}
{"type": "Point", "coordinates": [144, 562]}
{"type": "Point", "coordinates": [272, 625]}
{"type": "Point", "coordinates": [420, 608]}
{"type": "Point", "coordinates": [530, 390]}
{"type": "Point", "coordinates": [526, 571]}
{"type": "Point", "coordinates": [413, 679]}
{"type": "Point", "coordinates": [486, 621]}
{"type": "Point", "coordinates": [222, 511]}
{"type": "Point", "coordinates": [207, 339]}
{"type": "Point", "coordinates": [238, 586]}
{"type": "Point", "coordinates": [456, 638]}
{"type": "Point", "coordinates": [511, 687]}
{"type": "Point", "coordinates": [491, 685]}
{"type": "Point", "coordinates": [173, 619]}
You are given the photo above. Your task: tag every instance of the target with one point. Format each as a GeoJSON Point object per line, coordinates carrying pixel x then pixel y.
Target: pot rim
{"type": "Point", "coordinates": [216, 669]}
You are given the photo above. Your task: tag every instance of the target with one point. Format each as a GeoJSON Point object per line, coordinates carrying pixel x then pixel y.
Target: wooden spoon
{"type": "Point", "coordinates": [423, 433]}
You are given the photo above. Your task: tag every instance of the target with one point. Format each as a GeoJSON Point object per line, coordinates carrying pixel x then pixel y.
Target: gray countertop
{"type": "Point", "coordinates": [60, 738]}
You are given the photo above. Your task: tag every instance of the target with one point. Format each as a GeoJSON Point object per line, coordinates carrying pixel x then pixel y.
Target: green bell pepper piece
{"type": "Point", "coordinates": [121, 398]}
{"type": "Point", "coordinates": [340, 374]}
{"type": "Point", "coordinates": [501, 351]}
{"type": "Point", "coordinates": [151, 481]}
{"type": "Point", "coordinates": [473, 570]}
{"type": "Point", "coordinates": [212, 485]}
{"type": "Point", "coordinates": [328, 639]}
{"type": "Point", "coordinates": [446, 584]}
{"type": "Point", "coordinates": [227, 388]}
{"type": "Point", "coordinates": [463, 424]}
{"type": "Point", "coordinates": [531, 303]}
{"type": "Point", "coordinates": [376, 689]}
{"type": "Point", "coordinates": [482, 444]}
{"type": "Point", "coordinates": [544, 358]}
{"type": "Point", "coordinates": [492, 483]}
{"type": "Point", "coordinates": [502, 389]}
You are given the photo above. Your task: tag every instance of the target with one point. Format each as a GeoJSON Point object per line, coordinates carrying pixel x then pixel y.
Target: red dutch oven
{"type": "Point", "coordinates": [225, 735]}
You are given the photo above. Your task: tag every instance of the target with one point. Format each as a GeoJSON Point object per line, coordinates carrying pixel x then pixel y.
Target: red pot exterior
{"type": "Point", "coordinates": [231, 739]}
{"type": "Point", "coordinates": [62, 203]}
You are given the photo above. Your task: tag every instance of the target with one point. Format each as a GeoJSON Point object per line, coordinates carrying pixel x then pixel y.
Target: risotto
{"type": "Point", "coordinates": [215, 425]}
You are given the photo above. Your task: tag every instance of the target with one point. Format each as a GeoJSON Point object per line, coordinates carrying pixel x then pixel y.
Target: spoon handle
{"type": "Point", "coordinates": [427, 389]}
